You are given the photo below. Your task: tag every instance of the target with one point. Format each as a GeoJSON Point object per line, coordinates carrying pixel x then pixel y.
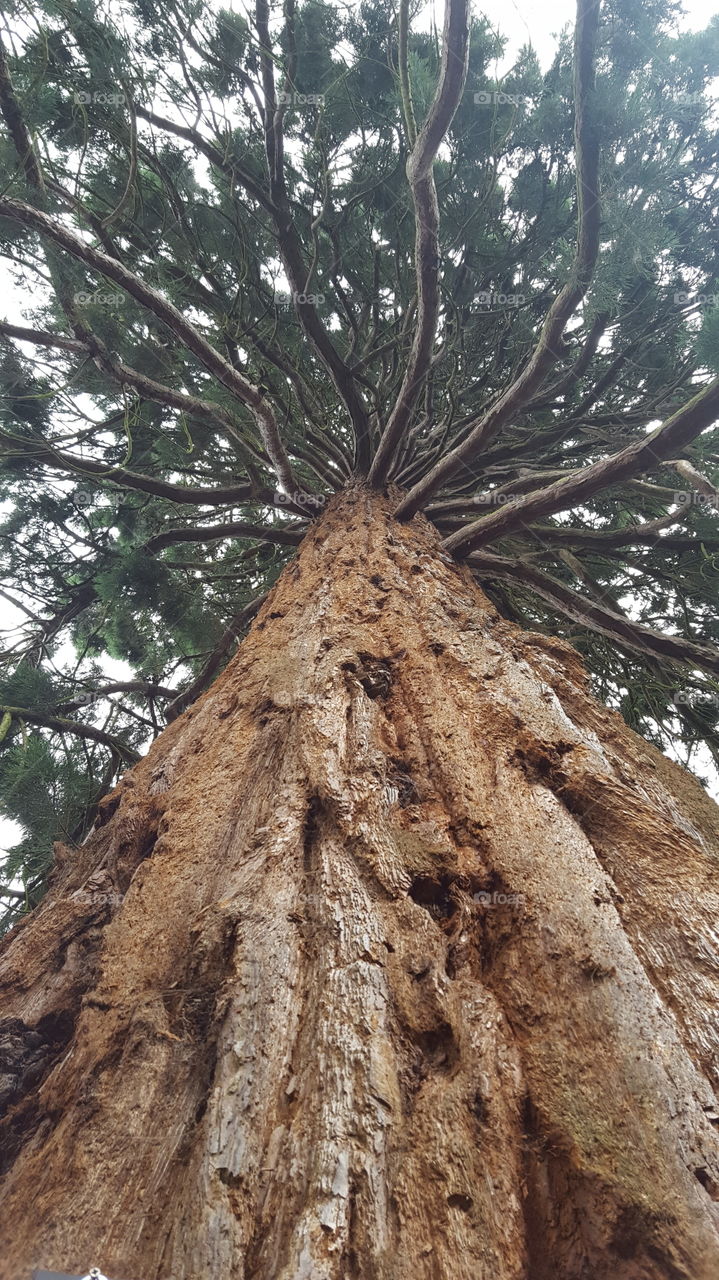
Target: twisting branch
{"type": "Point", "coordinates": [287, 537]}
{"type": "Point", "coordinates": [453, 72]}
{"type": "Point", "coordinates": [403, 70]}
{"type": "Point", "coordinates": [59, 725]}
{"type": "Point", "coordinates": [593, 615]}
{"type": "Point", "coordinates": [17, 128]}
{"type": "Point", "coordinates": [231, 635]}
{"type": "Point", "coordinates": [674, 434]}
{"type": "Point", "coordinates": [291, 250]}
{"type": "Point", "coordinates": [548, 349]}
{"type": "Point", "coordinates": [189, 495]}
{"type": "Point", "coordinates": [164, 310]}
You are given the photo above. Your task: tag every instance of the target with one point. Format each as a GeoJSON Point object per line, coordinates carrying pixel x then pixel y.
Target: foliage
{"type": "Point", "coordinates": [146, 133]}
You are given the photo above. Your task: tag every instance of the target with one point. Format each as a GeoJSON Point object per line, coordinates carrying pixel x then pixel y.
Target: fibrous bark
{"type": "Point", "coordinates": [394, 959]}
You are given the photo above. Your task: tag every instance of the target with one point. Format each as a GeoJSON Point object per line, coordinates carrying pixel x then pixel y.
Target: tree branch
{"type": "Point", "coordinates": [246, 392]}
{"type": "Point", "coordinates": [674, 434]}
{"type": "Point", "coordinates": [453, 72]}
{"type": "Point", "coordinates": [59, 725]}
{"type": "Point", "coordinates": [291, 251]}
{"type": "Point", "coordinates": [548, 349]}
{"type": "Point", "coordinates": [289, 537]}
{"type": "Point", "coordinates": [192, 495]}
{"type": "Point", "coordinates": [593, 615]}
{"type": "Point", "coordinates": [231, 635]}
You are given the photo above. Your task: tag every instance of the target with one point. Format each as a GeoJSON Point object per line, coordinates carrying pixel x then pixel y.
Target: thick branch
{"type": "Point", "coordinates": [548, 349]}
{"type": "Point", "coordinates": [455, 52]}
{"type": "Point", "coordinates": [593, 615]}
{"type": "Point", "coordinates": [165, 311]}
{"type": "Point", "coordinates": [59, 725]}
{"type": "Point", "coordinates": [231, 635]}
{"type": "Point", "coordinates": [674, 434]}
{"type": "Point", "coordinates": [289, 537]}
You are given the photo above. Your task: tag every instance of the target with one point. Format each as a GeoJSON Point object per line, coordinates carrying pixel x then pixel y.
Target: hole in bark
{"type": "Point", "coordinates": [437, 648]}
{"type": "Point", "coordinates": [706, 1180]}
{"type": "Point", "coordinates": [479, 1108]}
{"type": "Point", "coordinates": [435, 895]}
{"type": "Point", "coordinates": [107, 806]}
{"type": "Point", "coordinates": [27, 1056]}
{"type": "Point", "coordinates": [309, 830]}
{"type": "Point", "coordinates": [459, 1201]}
{"type": "Point", "coordinates": [374, 675]}
{"type": "Point", "coordinates": [439, 1048]}
{"type": "Point", "coordinates": [400, 778]}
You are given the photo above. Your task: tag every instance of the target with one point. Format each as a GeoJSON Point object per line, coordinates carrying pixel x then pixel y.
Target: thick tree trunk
{"type": "Point", "coordinates": [395, 959]}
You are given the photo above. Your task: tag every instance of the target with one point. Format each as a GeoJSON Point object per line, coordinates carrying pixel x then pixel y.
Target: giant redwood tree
{"type": "Point", "coordinates": [384, 943]}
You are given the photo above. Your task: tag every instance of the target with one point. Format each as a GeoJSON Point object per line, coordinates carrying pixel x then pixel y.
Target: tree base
{"type": "Point", "coordinates": [395, 959]}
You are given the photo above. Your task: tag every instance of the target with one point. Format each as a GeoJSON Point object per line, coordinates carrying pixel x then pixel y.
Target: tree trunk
{"type": "Point", "coordinates": [395, 959]}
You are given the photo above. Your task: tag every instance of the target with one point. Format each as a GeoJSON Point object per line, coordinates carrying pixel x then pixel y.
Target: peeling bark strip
{"type": "Point", "coordinates": [395, 959]}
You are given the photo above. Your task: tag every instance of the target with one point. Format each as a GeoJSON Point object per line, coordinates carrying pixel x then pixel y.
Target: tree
{"type": "Point", "coordinates": [394, 955]}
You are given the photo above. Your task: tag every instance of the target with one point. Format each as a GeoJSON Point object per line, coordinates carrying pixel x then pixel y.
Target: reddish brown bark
{"type": "Point", "coordinates": [395, 959]}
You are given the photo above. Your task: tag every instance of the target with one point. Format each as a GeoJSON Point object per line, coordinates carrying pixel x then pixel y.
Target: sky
{"type": "Point", "coordinates": [522, 22]}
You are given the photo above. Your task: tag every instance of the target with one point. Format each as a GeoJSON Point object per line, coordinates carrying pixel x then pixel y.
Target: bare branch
{"type": "Point", "coordinates": [231, 635]}
{"type": "Point", "coordinates": [453, 72]}
{"type": "Point", "coordinates": [595, 616]}
{"type": "Point", "coordinates": [674, 434]}
{"type": "Point", "coordinates": [288, 537]}
{"type": "Point", "coordinates": [213, 360]}
{"type": "Point", "coordinates": [548, 349]}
